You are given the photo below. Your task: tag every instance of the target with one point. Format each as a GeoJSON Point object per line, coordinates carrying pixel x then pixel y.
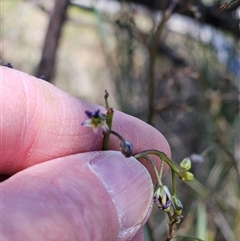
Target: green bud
{"type": "Point", "coordinates": [178, 212]}
{"type": "Point", "coordinates": [186, 164]}
{"type": "Point", "coordinates": [176, 203]}
{"type": "Point", "coordinates": [188, 176]}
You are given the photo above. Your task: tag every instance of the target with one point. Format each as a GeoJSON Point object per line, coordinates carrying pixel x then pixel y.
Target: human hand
{"type": "Point", "coordinates": [62, 186]}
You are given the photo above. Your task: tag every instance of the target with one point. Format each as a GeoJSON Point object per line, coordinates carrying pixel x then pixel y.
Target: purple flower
{"type": "Point", "coordinates": [162, 197]}
{"type": "Point", "coordinates": [96, 120]}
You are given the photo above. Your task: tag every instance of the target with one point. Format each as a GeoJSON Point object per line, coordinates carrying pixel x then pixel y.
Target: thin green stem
{"type": "Point", "coordinates": [106, 99]}
{"type": "Point", "coordinates": [174, 186]}
{"type": "Point", "coordinates": [154, 167]}
{"type": "Point", "coordinates": [109, 119]}
{"type": "Point", "coordinates": [117, 135]}
{"type": "Point", "coordinates": [161, 170]}
{"type": "Point", "coordinates": [169, 215]}
{"type": "Point", "coordinates": [164, 158]}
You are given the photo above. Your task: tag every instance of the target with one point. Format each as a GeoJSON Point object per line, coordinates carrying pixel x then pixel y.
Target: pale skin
{"type": "Point", "coordinates": [62, 186]}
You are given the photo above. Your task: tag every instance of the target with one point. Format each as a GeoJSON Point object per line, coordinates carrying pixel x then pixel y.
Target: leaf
{"type": "Point", "coordinates": [188, 237]}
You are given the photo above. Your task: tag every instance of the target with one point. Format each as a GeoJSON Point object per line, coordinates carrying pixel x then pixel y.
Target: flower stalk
{"type": "Point", "coordinates": [165, 201]}
{"type": "Point", "coordinates": [109, 119]}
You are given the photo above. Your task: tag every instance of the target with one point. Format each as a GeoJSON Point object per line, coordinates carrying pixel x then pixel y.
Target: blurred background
{"type": "Point", "coordinates": [174, 64]}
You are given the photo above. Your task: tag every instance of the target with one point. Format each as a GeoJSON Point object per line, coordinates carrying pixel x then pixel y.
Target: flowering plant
{"type": "Point", "coordinates": [165, 200]}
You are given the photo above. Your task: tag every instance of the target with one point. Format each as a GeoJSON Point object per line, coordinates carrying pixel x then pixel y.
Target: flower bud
{"type": "Point", "coordinates": [162, 197]}
{"type": "Point", "coordinates": [177, 205]}
{"type": "Point", "coordinates": [188, 176]}
{"type": "Point", "coordinates": [126, 148]}
{"type": "Point", "coordinates": [186, 164]}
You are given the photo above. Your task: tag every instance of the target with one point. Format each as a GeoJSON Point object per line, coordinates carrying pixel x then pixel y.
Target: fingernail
{"type": "Point", "coordinates": [129, 185]}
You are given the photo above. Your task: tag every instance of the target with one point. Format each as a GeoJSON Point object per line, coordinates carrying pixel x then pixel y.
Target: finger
{"type": "Point", "coordinates": [93, 196]}
{"type": "Point", "coordinates": [39, 122]}
{"type": "Point", "coordinates": [139, 236]}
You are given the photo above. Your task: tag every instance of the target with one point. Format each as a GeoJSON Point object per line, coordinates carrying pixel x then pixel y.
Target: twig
{"type": "Point", "coordinates": [152, 55]}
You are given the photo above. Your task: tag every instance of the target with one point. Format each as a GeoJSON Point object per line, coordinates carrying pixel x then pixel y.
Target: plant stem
{"type": "Point", "coordinates": [163, 157]}
{"type": "Point", "coordinates": [154, 167]}
{"type": "Point", "coordinates": [161, 170]}
{"type": "Point", "coordinates": [170, 225]}
{"type": "Point", "coordinates": [152, 50]}
{"type": "Point", "coordinates": [106, 99]}
{"type": "Point", "coordinates": [174, 187]}
{"type": "Point", "coordinates": [117, 135]}
{"type": "Point", "coordinates": [109, 119]}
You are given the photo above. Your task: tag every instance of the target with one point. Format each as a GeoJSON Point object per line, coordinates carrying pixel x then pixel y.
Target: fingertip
{"type": "Point", "coordinates": [139, 236]}
{"type": "Point", "coordinates": [78, 192]}
{"type": "Point", "coordinates": [130, 187]}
